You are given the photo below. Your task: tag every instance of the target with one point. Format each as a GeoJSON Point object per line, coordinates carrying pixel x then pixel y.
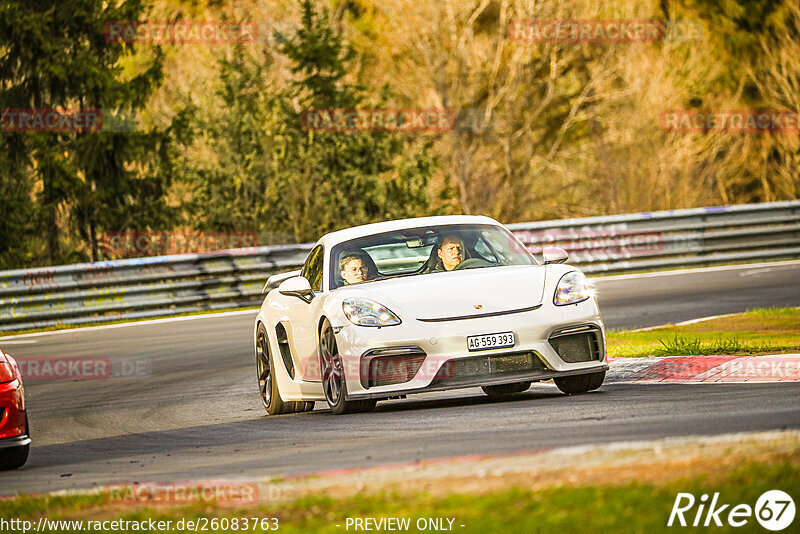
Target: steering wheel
{"type": "Point", "coordinates": [473, 263]}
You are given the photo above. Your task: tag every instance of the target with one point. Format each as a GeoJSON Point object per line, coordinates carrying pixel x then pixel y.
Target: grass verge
{"type": "Point", "coordinates": [587, 507]}
{"type": "Point", "coordinates": [760, 331]}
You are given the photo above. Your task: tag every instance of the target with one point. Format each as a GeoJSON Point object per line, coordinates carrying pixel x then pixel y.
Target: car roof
{"type": "Point", "coordinates": [347, 234]}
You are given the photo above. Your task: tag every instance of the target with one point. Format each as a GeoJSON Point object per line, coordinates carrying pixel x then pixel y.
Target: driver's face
{"type": "Point", "coordinates": [451, 253]}
{"type": "Point", "coordinates": [354, 271]}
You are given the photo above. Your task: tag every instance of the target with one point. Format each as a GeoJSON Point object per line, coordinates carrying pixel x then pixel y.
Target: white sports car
{"type": "Point", "coordinates": [388, 309]}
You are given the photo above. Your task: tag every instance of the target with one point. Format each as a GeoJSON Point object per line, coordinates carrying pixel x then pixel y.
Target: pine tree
{"type": "Point", "coordinates": [55, 56]}
{"type": "Point", "coordinates": [334, 179]}
{"type": "Point", "coordinates": [262, 172]}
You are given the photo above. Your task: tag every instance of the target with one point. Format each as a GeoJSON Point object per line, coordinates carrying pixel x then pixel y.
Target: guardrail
{"type": "Point", "coordinates": [167, 285]}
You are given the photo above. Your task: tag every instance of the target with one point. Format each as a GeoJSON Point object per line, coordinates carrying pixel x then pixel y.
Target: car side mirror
{"type": "Point", "coordinates": [298, 286]}
{"type": "Point", "coordinates": [275, 280]}
{"type": "Point", "coordinates": [554, 255]}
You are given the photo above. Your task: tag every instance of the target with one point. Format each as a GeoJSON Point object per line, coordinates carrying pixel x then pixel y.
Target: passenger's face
{"type": "Point", "coordinates": [354, 271]}
{"type": "Point", "coordinates": [451, 253]}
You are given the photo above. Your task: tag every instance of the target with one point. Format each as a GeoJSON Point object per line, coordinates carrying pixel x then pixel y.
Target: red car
{"type": "Point", "coordinates": [15, 441]}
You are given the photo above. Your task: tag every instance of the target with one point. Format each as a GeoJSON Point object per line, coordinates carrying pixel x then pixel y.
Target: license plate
{"type": "Point", "coordinates": [490, 341]}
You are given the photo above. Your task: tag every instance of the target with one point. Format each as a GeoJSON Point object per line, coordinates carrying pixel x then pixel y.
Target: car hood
{"type": "Point", "coordinates": [459, 294]}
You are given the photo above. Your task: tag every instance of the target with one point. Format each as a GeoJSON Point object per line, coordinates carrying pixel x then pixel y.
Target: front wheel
{"type": "Point", "coordinates": [334, 383]}
{"type": "Point", "coordinates": [15, 457]}
{"type": "Point", "coordinates": [572, 385]}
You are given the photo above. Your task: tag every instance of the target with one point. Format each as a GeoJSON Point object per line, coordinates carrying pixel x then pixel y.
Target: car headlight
{"type": "Point", "coordinates": [572, 288]}
{"type": "Point", "coordinates": [7, 372]}
{"type": "Point", "coordinates": [365, 312]}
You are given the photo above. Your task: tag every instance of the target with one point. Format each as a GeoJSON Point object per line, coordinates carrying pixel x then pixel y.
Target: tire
{"type": "Point", "coordinates": [505, 390]}
{"type": "Point", "coordinates": [267, 385]}
{"type": "Point", "coordinates": [573, 385]}
{"type": "Point", "coordinates": [334, 382]}
{"type": "Point", "coordinates": [15, 457]}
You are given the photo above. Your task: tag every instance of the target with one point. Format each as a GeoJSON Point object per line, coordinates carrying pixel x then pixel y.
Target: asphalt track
{"type": "Point", "coordinates": [188, 408]}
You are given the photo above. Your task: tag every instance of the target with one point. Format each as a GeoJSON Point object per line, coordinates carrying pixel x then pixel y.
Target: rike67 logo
{"type": "Point", "coordinates": [774, 510]}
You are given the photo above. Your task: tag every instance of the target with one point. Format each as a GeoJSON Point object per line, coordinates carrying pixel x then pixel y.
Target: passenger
{"type": "Point", "coordinates": [352, 268]}
{"type": "Point", "coordinates": [450, 252]}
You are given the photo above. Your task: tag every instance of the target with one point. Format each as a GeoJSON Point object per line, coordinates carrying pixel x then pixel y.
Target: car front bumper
{"type": "Point", "coordinates": [19, 441]}
{"type": "Point", "coordinates": [446, 356]}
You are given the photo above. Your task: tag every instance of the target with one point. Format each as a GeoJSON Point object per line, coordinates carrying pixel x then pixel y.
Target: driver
{"type": "Point", "coordinates": [353, 268]}
{"type": "Point", "coordinates": [451, 253]}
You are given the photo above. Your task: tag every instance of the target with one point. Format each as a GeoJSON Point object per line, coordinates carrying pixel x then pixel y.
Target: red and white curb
{"type": "Point", "coordinates": [770, 368]}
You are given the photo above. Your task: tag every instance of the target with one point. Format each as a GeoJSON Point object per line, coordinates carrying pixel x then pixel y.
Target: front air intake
{"type": "Point", "coordinates": [382, 367]}
{"type": "Point", "coordinates": [582, 346]}
{"type": "Point", "coordinates": [460, 370]}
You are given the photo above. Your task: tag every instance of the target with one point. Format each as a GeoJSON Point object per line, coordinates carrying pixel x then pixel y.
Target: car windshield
{"type": "Point", "coordinates": [426, 250]}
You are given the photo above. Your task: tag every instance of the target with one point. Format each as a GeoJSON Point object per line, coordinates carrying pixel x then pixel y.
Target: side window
{"type": "Point", "coordinates": [312, 269]}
